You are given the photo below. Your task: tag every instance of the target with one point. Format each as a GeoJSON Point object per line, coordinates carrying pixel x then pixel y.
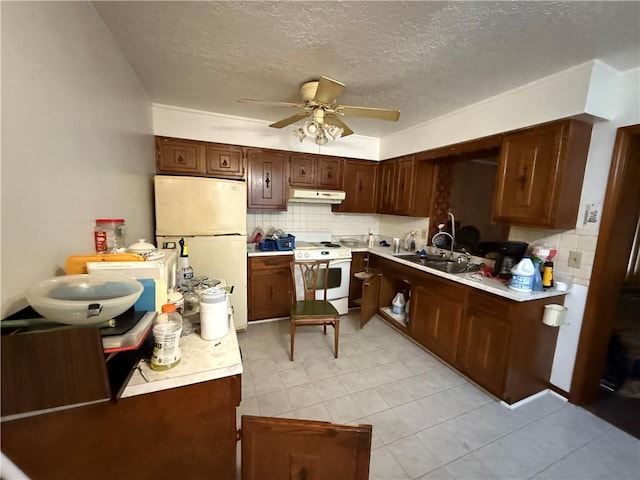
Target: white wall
{"type": "Point", "coordinates": [213, 127]}
{"type": "Point", "coordinates": [77, 141]}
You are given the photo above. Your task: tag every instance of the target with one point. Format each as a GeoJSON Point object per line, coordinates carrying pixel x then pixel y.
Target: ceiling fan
{"type": "Point", "coordinates": [319, 102]}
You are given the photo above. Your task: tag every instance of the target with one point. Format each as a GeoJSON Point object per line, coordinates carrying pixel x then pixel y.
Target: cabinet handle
{"type": "Point", "coordinates": [359, 187]}
{"type": "Point", "coordinates": [523, 178]}
{"type": "Point", "coordinates": [267, 181]}
{"type": "Point", "coordinates": [270, 294]}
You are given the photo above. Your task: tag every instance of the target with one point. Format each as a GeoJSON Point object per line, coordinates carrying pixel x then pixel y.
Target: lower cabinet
{"type": "Point", "coordinates": [187, 432]}
{"type": "Point", "coordinates": [485, 348]}
{"type": "Point", "coordinates": [500, 344]}
{"type": "Point", "coordinates": [505, 347]}
{"type": "Point", "coordinates": [436, 311]}
{"type": "Point", "coordinates": [270, 286]}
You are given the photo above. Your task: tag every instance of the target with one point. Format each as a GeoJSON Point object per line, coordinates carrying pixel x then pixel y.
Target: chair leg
{"type": "Point", "coordinates": [293, 337]}
{"type": "Point", "coordinates": [324, 326]}
{"type": "Point", "coordinates": [336, 326]}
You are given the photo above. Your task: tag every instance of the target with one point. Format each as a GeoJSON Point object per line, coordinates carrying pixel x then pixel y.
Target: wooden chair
{"type": "Point", "coordinates": [309, 277]}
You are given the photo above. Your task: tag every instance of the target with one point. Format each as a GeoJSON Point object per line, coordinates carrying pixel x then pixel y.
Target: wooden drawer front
{"type": "Point", "coordinates": [447, 289]}
{"type": "Point", "coordinates": [225, 162]}
{"type": "Point", "coordinates": [491, 304]}
{"type": "Point", "coordinates": [270, 262]}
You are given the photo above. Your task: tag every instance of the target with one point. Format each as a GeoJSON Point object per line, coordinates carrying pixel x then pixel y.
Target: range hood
{"type": "Point", "coordinates": [306, 195]}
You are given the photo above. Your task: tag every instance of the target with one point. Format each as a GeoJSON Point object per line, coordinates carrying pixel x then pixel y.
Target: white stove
{"type": "Point", "coordinates": [339, 258]}
{"type": "Point", "coordinates": [320, 250]}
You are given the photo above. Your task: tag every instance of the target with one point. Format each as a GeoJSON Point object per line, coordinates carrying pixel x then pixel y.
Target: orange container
{"type": "Point", "coordinates": [77, 264]}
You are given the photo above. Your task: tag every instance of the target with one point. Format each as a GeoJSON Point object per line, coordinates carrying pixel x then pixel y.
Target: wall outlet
{"type": "Point", "coordinates": [575, 259]}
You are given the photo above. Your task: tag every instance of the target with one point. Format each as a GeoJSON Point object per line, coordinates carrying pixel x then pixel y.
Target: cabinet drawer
{"type": "Point", "coordinates": [270, 262]}
{"type": "Point", "coordinates": [447, 289]}
{"type": "Point", "coordinates": [489, 303]}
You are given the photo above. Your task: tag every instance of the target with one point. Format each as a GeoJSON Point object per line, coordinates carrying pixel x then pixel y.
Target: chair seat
{"type": "Point", "coordinates": [313, 308]}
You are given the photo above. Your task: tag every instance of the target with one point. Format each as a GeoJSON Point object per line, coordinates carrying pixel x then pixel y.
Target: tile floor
{"type": "Point", "coordinates": [428, 421]}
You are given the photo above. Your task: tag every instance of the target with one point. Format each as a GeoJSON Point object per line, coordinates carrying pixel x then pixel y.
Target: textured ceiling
{"type": "Point", "coordinates": [423, 58]}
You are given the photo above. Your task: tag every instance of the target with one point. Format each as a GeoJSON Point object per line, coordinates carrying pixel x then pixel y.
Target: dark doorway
{"type": "Point", "coordinates": [609, 302]}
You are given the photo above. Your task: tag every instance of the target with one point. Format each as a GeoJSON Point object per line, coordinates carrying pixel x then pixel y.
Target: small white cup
{"type": "Point", "coordinates": [562, 286]}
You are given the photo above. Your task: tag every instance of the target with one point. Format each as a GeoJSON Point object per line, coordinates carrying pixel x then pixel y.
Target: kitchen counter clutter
{"type": "Point", "coordinates": [182, 423]}
{"type": "Point", "coordinates": [472, 280]}
{"type": "Point", "coordinates": [201, 361]}
{"type": "Point", "coordinates": [475, 281]}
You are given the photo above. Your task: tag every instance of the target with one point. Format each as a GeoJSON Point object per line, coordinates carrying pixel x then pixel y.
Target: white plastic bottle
{"type": "Point", "coordinates": [167, 329]}
{"type": "Point", "coordinates": [522, 275]}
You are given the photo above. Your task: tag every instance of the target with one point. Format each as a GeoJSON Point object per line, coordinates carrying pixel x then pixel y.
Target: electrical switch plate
{"type": "Point", "coordinates": [575, 259]}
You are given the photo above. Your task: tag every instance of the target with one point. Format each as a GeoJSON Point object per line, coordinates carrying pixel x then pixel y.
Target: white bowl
{"type": "Point", "coordinates": [83, 299]}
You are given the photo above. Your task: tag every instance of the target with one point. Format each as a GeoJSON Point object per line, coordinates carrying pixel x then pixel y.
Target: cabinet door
{"type": "Point", "coordinates": [302, 170]}
{"type": "Point", "coordinates": [435, 320]}
{"type": "Point", "coordinates": [359, 181]}
{"type": "Point", "coordinates": [485, 349]}
{"type": "Point", "coordinates": [266, 189]}
{"type": "Point", "coordinates": [224, 161]}
{"type": "Point", "coordinates": [540, 175]}
{"type": "Point", "coordinates": [387, 189]}
{"type": "Point", "coordinates": [304, 449]}
{"type": "Point", "coordinates": [405, 179]}
{"type": "Point", "coordinates": [328, 173]}
{"type": "Point", "coordinates": [269, 286]}
{"type": "Point", "coordinates": [181, 157]}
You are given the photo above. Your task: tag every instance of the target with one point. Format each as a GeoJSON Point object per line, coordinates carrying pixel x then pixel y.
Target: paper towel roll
{"type": "Point", "coordinates": [554, 315]}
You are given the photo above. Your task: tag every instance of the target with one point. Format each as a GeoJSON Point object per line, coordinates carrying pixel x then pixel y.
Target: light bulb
{"type": "Point", "coordinates": [321, 139]}
{"type": "Point", "coordinates": [299, 133]}
{"type": "Point", "coordinates": [311, 128]}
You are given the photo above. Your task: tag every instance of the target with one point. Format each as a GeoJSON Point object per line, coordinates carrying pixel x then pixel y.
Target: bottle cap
{"type": "Point", "coordinates": [168, 308]}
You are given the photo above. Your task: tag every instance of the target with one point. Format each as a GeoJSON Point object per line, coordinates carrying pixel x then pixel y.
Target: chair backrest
{"type": "Point", "coordinates": [309, 277]}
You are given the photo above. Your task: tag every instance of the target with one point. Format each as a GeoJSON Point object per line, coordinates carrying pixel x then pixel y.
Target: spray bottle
{"type": "Point", "coordinates": [185, 271]}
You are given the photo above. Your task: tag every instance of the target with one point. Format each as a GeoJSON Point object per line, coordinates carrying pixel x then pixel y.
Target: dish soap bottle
{"type": "Point", "coordinates": [167, 328]}
{"type": "Point", "coordinates": [185, 271]}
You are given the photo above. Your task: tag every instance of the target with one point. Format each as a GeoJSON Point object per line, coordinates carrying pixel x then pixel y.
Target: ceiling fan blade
{"type": "Point", "coordinates": [269, 103]}
{"type": "Point", "coordinates": [377, 113]}
{"type": "Point", "coordinates": [328, 90]}
{"type": "Point", "coordinates": [333, 120]}
{"type": "Point", "coordinates": [289, 120]}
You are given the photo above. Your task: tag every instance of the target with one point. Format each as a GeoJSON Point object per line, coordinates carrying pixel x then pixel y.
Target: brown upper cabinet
{"type": "Point", "coordinates": [314, 171]}
{"type": "Point", "coordinates": [406, 187]}
{"type": "Point", "coordinates": [177, 156]}
{"type": "Point", "coordinates": [540, 175]}
{"type": "Point", "coordinates": [359, 182]}
{"type": "Point", "coordinates": [266, 188]}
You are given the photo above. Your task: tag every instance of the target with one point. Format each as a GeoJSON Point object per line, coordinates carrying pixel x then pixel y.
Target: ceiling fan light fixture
{"type": "Point", "coordinates": [299, 133]}
{"type": "Point", "coordinates": [334, 131]}
{"type": "Point", "coordinates": [311, 129]}
{"type": "Point", "coordinates": [321, 138]}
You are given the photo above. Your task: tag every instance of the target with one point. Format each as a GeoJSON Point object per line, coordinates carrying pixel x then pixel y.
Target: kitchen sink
{"type": "Point", "coordinates": [438, 263]}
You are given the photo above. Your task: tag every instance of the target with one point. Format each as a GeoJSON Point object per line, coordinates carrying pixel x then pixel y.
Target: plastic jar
{"type": "Point", "coordinates": [108, 235]}
{"type": "Point", "coordinates": [167, 329]}
{"type": "Point", "coordinates": [522, 275]}
{"type": "Point", "coordinates": [214, 315]}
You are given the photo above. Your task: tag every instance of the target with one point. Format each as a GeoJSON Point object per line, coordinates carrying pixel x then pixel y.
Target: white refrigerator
{"type": "Point", "coordinates": [211, 215]}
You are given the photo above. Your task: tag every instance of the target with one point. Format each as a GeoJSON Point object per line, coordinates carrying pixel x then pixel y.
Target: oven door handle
{"type": "Point", "coordinates": [337, 261]}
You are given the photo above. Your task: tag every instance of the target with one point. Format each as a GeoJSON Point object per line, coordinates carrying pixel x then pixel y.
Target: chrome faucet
{"type": "Point", "coordinates": [451, 235]}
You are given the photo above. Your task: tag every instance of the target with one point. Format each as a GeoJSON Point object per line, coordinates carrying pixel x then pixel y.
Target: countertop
{"type": "Point", "coordinates": [201, 361]}
{"type": "Point", "coordinates": [475, 281]}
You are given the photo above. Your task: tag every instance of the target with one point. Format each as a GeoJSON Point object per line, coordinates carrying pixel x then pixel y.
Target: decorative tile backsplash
{"type": "Point", "coordinates": [310, 217]}
{"type": "Point", "coordinates": [577, 240]}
